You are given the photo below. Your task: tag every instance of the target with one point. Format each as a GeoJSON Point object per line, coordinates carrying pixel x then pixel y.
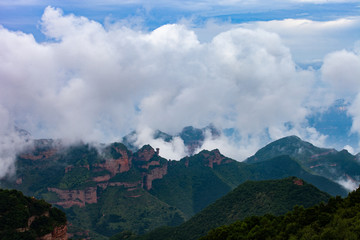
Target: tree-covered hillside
{"type": "Point", "coordinates": [338, 166]}
{"type": "Point", "coordinates": [252, 198]}
{"type": "Point", "coordinates": [27, 218]}
{"type": "Point", "coordinates": [338, 219]}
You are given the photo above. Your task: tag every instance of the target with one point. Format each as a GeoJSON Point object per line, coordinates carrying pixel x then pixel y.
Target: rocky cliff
{"type": "Point", "coordinates": [59, 233]}
{"type": "Point", "coordinates": [82, 179]}
{"type": "Point", "coordinates": [212, 157]}
{"type": "Point", "coordinates": [69, 198]}
{"type": "Point", "coordinates": [156, 173]}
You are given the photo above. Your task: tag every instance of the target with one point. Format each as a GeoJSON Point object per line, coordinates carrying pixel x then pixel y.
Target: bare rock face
{"type": "Point", "coordinates": [71, 198]}
{"type": "Point", "coordinates": [19, 181]}
{"type": "Point", "coordinates": [144, 154]}
{"type": "Point", "coordinates": [156, 173]}
{"type": "Point", "coordinates": [39, 155]}
{"type": "Point", "coordinates": [127, 185]}
{"type": "Point", "coordinates": [59, 233]}
{"type": "Point", "coordinates": [212, 157]}
{"type": "Point", "coordinates": [42, 149]}
{"type": "Point", "coordinates": [117, 165]}
{"type": "Point", "coordinates": [298, 182]}
{"type": "Point", "coordinates": [104, 178]}
{"type": "Point", "coordinates": [148, 164]}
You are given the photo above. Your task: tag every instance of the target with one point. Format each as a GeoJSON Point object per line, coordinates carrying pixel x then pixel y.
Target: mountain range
{"type": "Point", "coordinates": [107, 189]}
{"type": "Point", "coordinates": [252, 198]}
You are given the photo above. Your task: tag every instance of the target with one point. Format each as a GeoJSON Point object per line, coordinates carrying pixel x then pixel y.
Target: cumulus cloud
{"type": "Point", "coordinates": [94, 83]}
{"type": "Point", "coordinates": [341, 70]}
{"type": "Point", "coordinates": [309, 40]}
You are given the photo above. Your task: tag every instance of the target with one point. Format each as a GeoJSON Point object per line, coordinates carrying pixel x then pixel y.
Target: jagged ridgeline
{"type": "Point", "coordinates": [338, 219]}
{"type": "Point", "coordinates": [27, 218]}
{"type": "Point", "coordinates": [109, 189]}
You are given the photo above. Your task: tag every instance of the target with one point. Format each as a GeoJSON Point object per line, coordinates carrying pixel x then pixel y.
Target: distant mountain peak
{"type": "Point", "coordinates": [292, 146]}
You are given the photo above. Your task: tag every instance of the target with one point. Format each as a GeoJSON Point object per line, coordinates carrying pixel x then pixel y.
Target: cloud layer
{"type": "Point", "coordinates": [98, 83]}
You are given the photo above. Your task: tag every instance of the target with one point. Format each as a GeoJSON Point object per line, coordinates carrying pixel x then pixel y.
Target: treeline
{"type": "Point", "coordinates": [338, 219]}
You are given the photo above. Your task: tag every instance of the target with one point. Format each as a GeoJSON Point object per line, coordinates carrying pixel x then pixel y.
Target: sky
{"type": "Point", "coordinates": [258, 70]}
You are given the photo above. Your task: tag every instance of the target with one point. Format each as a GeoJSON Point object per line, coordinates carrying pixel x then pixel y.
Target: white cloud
{"type": "Point", "coordinates": [232, 146]}
{"type": "Point", "coordinates": [342, 71]}
{"type": "Point", "coordinates": [354, 111]}
{"type": "Point", "coordinates": [348, 184]}
{"type": "Point", "coordinates": [175, 149]}
{"type": "Point", "coordinates": [308, 40]}
{"type": "Point", "coordinates": [325, 1]}
{"type": "Point", "coordinates": [11, 143]}
{"type": "Point", "coordinates": [350, 149]}
{"type": "Point", "coordinates": [94, 83]}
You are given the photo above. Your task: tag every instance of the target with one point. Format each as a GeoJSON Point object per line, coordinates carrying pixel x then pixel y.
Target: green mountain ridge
{"type": "Point", "coordinates": [330, 163]}
{"type": "Point", "coordinates": [338, 219]}
{"type": "Point", "coordinates": [222, 178]}
{"type": "Point", "coordinates": [252, 198]}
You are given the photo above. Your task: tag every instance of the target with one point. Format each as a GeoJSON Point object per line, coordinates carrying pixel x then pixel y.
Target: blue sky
{"type": "Point", "coordinates": [96, 70]}
{"type": "Point", "coordinates": [25, 15]}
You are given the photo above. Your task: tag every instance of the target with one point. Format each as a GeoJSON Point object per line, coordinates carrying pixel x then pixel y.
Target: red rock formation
{"type": "Point", "coordinates": [152, 163]}
{"type": "Point", "coordinates": [120, 184]}
{"type": "Point", "coordinates": [71, 198]}
{"type": "Point", "coordinates": [156, 173]}
{"type": "Point", "coordinates": [115, 166]}
{"type": "Point", "coordinates": [40, 155]}
{"type": "Point", "coordinates": [59, 233]}
{"type": "Point", "coordinates": [125, 184]}
{"type": "Point", "coordinates": [144, 154]}
{"type": "Point", "coordinates": [298, 182]}
{"type": "Point", "coordinates": [213, 157]}
{"type": "Point", "coordinates": [135, 196]}
{"type": "Point", "coordinates": [68, 168]}
{"type": "Point", "coordinates": [322, 154]}
{"type": "Point", "coordinates": [187, 162]}
{"type": "Point", "coordinates": [104, 178]}
{"type": "Point", "coordinates": [19, 181]}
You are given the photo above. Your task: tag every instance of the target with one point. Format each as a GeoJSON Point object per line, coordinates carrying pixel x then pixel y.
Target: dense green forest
{"type": "Point", "coordinates": [248, 199]}
{"type": "Point", "coordinates": [26, 218]}
{"type": "Point", "coordinates": [338, 219]}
